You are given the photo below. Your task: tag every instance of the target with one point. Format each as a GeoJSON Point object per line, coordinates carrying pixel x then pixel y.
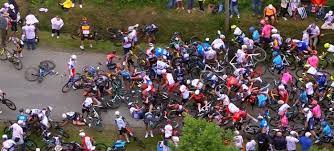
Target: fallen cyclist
{"type": "Point", "coordinates": [75, 117]}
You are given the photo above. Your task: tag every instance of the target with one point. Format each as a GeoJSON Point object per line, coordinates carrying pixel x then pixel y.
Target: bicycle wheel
{"type": "Point", "coordinates": [112, 103]}
{"type": "Point", "coordinates": [252, 129]}
{"type": "Point", "coordinates": [323, 63]}
{"type": "Point", "coordinates": [195, 73]}
{"type": "Point", "coordinates": [100, 147]}
{"type": "Point", "coordinates": [17, 63]}
{"type": "Point", "coordinates": [31, 74]}
{"type": "Point", "coordinates": [49, 64]}
{"type": "Point", "coordinates": [67, 87]}
{"type": "Point", "coordinates": [262, 54]}
{"type": "Point", "coordinates": [3, 54]}
{"type": "Point", "coordinates": [60, 131]}
{"type": "Point", "coordinates": [30, 144]}
{"type": "Point", "coordinates": [11, 105]}
{"type": "Point", "coordinates": [299, 72]}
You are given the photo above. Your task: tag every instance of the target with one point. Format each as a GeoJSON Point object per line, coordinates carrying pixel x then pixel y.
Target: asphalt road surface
{"type": "Point", "coordinates": [31, 95]}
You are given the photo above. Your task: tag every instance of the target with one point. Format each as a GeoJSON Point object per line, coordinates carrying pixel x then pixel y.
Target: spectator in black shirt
{"type": "Point", "coordinates": [279, 142]}
{"type": "Point", "coordinates": [263, 140]}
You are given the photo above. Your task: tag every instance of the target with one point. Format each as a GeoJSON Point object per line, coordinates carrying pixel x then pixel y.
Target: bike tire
{"type": "Point", "coordinates": [323, 64]}
{"type": "Point", "coordinates": [50, 64]}
{"type": "Point", "coordinates": [30, 144]}
{"type": "Point", "coordinates": [262, 56]}
{"type": "Point", "coordinates": [11, 105]}
{"type": "Point", "coordinates": [31, 74]}
{"type": "Point", "coordinates": [17, 63]}
{"type": "Point", "coordinates": [195, 72]}
{"type": "Point", "coordinates": [67, 87]}
{"type": "Point", "coordinates": [3, 54]}
{"type": "Point", "coordinates": [100, 147]}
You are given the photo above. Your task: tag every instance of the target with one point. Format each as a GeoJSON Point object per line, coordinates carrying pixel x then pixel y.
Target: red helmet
{"type": "Point", "coordinates": [263, 22]}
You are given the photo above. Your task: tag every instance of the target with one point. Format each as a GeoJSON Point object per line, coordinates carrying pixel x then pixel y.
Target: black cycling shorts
{"type": "Point", "coordinates": [14, 26]}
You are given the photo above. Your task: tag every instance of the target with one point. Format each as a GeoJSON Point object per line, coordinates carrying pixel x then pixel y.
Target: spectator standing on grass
{"type": "Point", "coordinates": [201, 5]}
{"type": "Point", "coordinates": [257, 7]}
{"type": "Point", "coordinates": [305, 141]}
{"type": "Point", "coordinates": [30, 36]}
{"type": "Point", "coordinates": [56, 24]}
{"type": "Point", "coordinates": [294, 4]}
{"type": "Point", "coordinates": [179, 4]}
{"type": "Point", "coordinates": [190, 4]}
{"type": "Point", "coordinates": [270, 14]}
{"type": "Point", "coordinates": [238, 140]}
{"type": "Point", "coordinates": [80, 3]}
{"type": "Point", "coordinates": [3, 29]}
{"type": "Point", "coordinates": [291, 141]}
{"type": "Point", "coordinates": [314, 32]}
{"type": "Point", "coordinates": [329, 20]}
{"type": "Point", "coordinates": [284, 9]}
{"type": "Point", "coordinates": [234, 8]}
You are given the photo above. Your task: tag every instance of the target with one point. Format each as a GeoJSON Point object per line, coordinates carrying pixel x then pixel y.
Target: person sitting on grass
{"type": "Point", "coordinates": [66, 5]}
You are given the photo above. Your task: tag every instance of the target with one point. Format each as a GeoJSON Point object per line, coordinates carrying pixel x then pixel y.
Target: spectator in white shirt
{"type": "Point", "coordinates": [292, 141]}
{"type": "Point", "coordinates": [251, 145]}
{"type": "Point", "coordinates": [30, 36]}
{"type": "Point", "coordinates": [7, 144]}
{"type": "Point", "coordinates": [56, 24]}
{"type": "Point", "coordinates": [238, 140]}
{"type": "Point", "coordinates": [17, 133]}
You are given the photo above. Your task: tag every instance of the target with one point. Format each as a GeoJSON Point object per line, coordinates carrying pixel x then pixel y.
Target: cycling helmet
{"type": "Point", "coordinates": [222, 36]}
{"type": "Point", "coordinates": [327, 45]}
{"type": "Point", "coordinates": [91, 70]}
{"type": "Point", "coordinates": [243, 47]}
{"type": "Point", "coordinates": [197, 92]}
{"type": "Point", "coordinates": [233, 26]}
{"type": "Point", "coordinates": [274, 31]}
{"type": "Point", "coordinates": [64, 116]}
{"type": "Point", "coordinates": [252, 29]}
{"type": "Point", "coordinates": [260, 117]}
{"type": "Point", "coordinates": [306, 109]}
{"type": "Point", "coordinates": [84, 19]}
{"type": "Point", "coordinates": [275, 53]}
{"type": "Point", "coordinates": [20, 122]}
{"type": "Point", "coordinates": [207, 39]}
{"type": "Point", "coordinates": [4, 136]}
{"type": "Point", "coordinates": [183, 88]}
{"type": "Point", "coordinates": [263, 22]}
{"type": "Point", "coordinates": [82, 134]}
{"type": "Point", "coordinates": [74, 57]}
{"type": "Point", "coordinates": [288, 40]}
{"type": "Point", "coordinates": [117, 113]}
{"type": "Point", "coordinates": [28, 111]}
{"type": "Point", "coordinates": [21, 110]}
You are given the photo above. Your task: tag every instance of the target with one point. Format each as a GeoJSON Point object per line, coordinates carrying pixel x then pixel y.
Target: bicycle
{"type": "Point", "coordinates": [11, 105]}
{"type": "Point", "coordinates": [45, 68]}
{"type": "Point", "coordinates": [12, 57]}
{"type": "Point", "coordinates": [95, 119]}
{"type": "Point", "coordinates": [286, 64]}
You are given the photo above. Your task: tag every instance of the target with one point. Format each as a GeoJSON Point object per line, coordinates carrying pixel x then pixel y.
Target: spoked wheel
{"type": "Point", "coordinates": [195, 73]}
{"type": "Point", "coordinates": [30, 144]}
{"type": "Point", "coordinates": [17, 63]}
{"type": "Point", "coordinates": [3, 54]}
{"type": "Point", "coordinates": [50, 65]}
{"type": "Point", "coordinates": [262, 54]}
{"type": "Point", "coordinates": [31, 74]}
{"type": "Point", "coordinates": [100, 147]}
{"type": "Point", "coordinates": [11, 105]}
{"type": "Point", "coordinates": [67, 87]}
{"type": "Point", "coordinates": [221, 88]}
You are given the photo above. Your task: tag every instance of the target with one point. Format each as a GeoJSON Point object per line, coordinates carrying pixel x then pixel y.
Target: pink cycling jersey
{"type": "Point", "coordinates": [313, 61]}
{"type": "Point", "coordinates": [266, 31]}
{"type": "Point", "coordinates": [286, 77]}
{"type": "Point", "coordinates": [316, 111]}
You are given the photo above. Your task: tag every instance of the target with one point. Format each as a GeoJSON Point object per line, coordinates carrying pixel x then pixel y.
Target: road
{"type": "Point", "coordinates": [27, 94]}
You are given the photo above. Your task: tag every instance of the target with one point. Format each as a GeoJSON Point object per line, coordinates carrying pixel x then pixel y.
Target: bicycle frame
{"type": "Point", "coordinates": [250, 60]}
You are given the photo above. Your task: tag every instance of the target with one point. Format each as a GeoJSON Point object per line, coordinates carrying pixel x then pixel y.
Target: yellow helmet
{"type": "Point", "coordinates": [233, 26]}
{"type": "Point", "coordinates": [327, 45]}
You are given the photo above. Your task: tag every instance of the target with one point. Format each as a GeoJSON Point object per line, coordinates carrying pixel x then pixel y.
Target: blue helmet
{"type": "Point", "coordinates": [91, 70]}
{"type": "Point", "coordinates": [275, 53]}
{"type": "Point", "coordinates": [252, 29]}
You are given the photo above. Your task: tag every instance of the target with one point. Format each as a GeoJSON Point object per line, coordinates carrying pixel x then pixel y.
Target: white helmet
{"type": "Point", "coordinates": [183, 88]}
{"type": "Point", "coordinates": [224, 77]}
{"type": "Point", "coordinates": [82, 134]}
{"type": "Point", "coordinates": [117, 113]}
{"type": "Point", "coordinates": [207, 39]}
{"type": "Point", "coordinates": [222, 36]}
{"type": "Point", "coordinates": [151, 44]}
{"type": "Point", "coordinates": [4, 136]}
{"type": "Point", "coordinates": [20, 122]}
{"type": "Point", "coordinates": [188, 81]}
{"type": "Point", "coordinates": [306, 109]}
{"type": "Point", "coordinates": [74, 57]}
{"type": "Point", "coordinates": [64, 115]}
{"type": "Point", "coordinates": [243, 47]}
{"type": "Point", "coordinates": [197, 92]}
{"type": "Point", "coordinates": [28, 111]}
{"type": "Point", "coordinates": [274, 31]}
{"type": "Point", "coordinates": [50, 108]}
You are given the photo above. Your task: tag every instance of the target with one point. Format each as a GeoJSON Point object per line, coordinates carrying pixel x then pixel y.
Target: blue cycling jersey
{"type": "Point", "coordinates": [321, 80]}
{"type": "Point", "coordinates": [302, 46]}
{"type": "Point", "coordinates": [200, 50]}
{"type": "Point", "coordinates": [22, 117]}
{"type": "Point", "coordinates": [327, 131]}
{"type": "Point", "coordinates": [161, 52]}
{"type": "Point", "coordinates": [303, 97]}
{"type": "Point", "coordinates": [256, 35]}
{"type": "Point", "coordinates": [262, 100]}
{"type": "Point", "coordinates": [125, 74]}
{"type": "Point", "coordinates": [206, 46]}
{"type": "Point", "coordinates": [278, 61]}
